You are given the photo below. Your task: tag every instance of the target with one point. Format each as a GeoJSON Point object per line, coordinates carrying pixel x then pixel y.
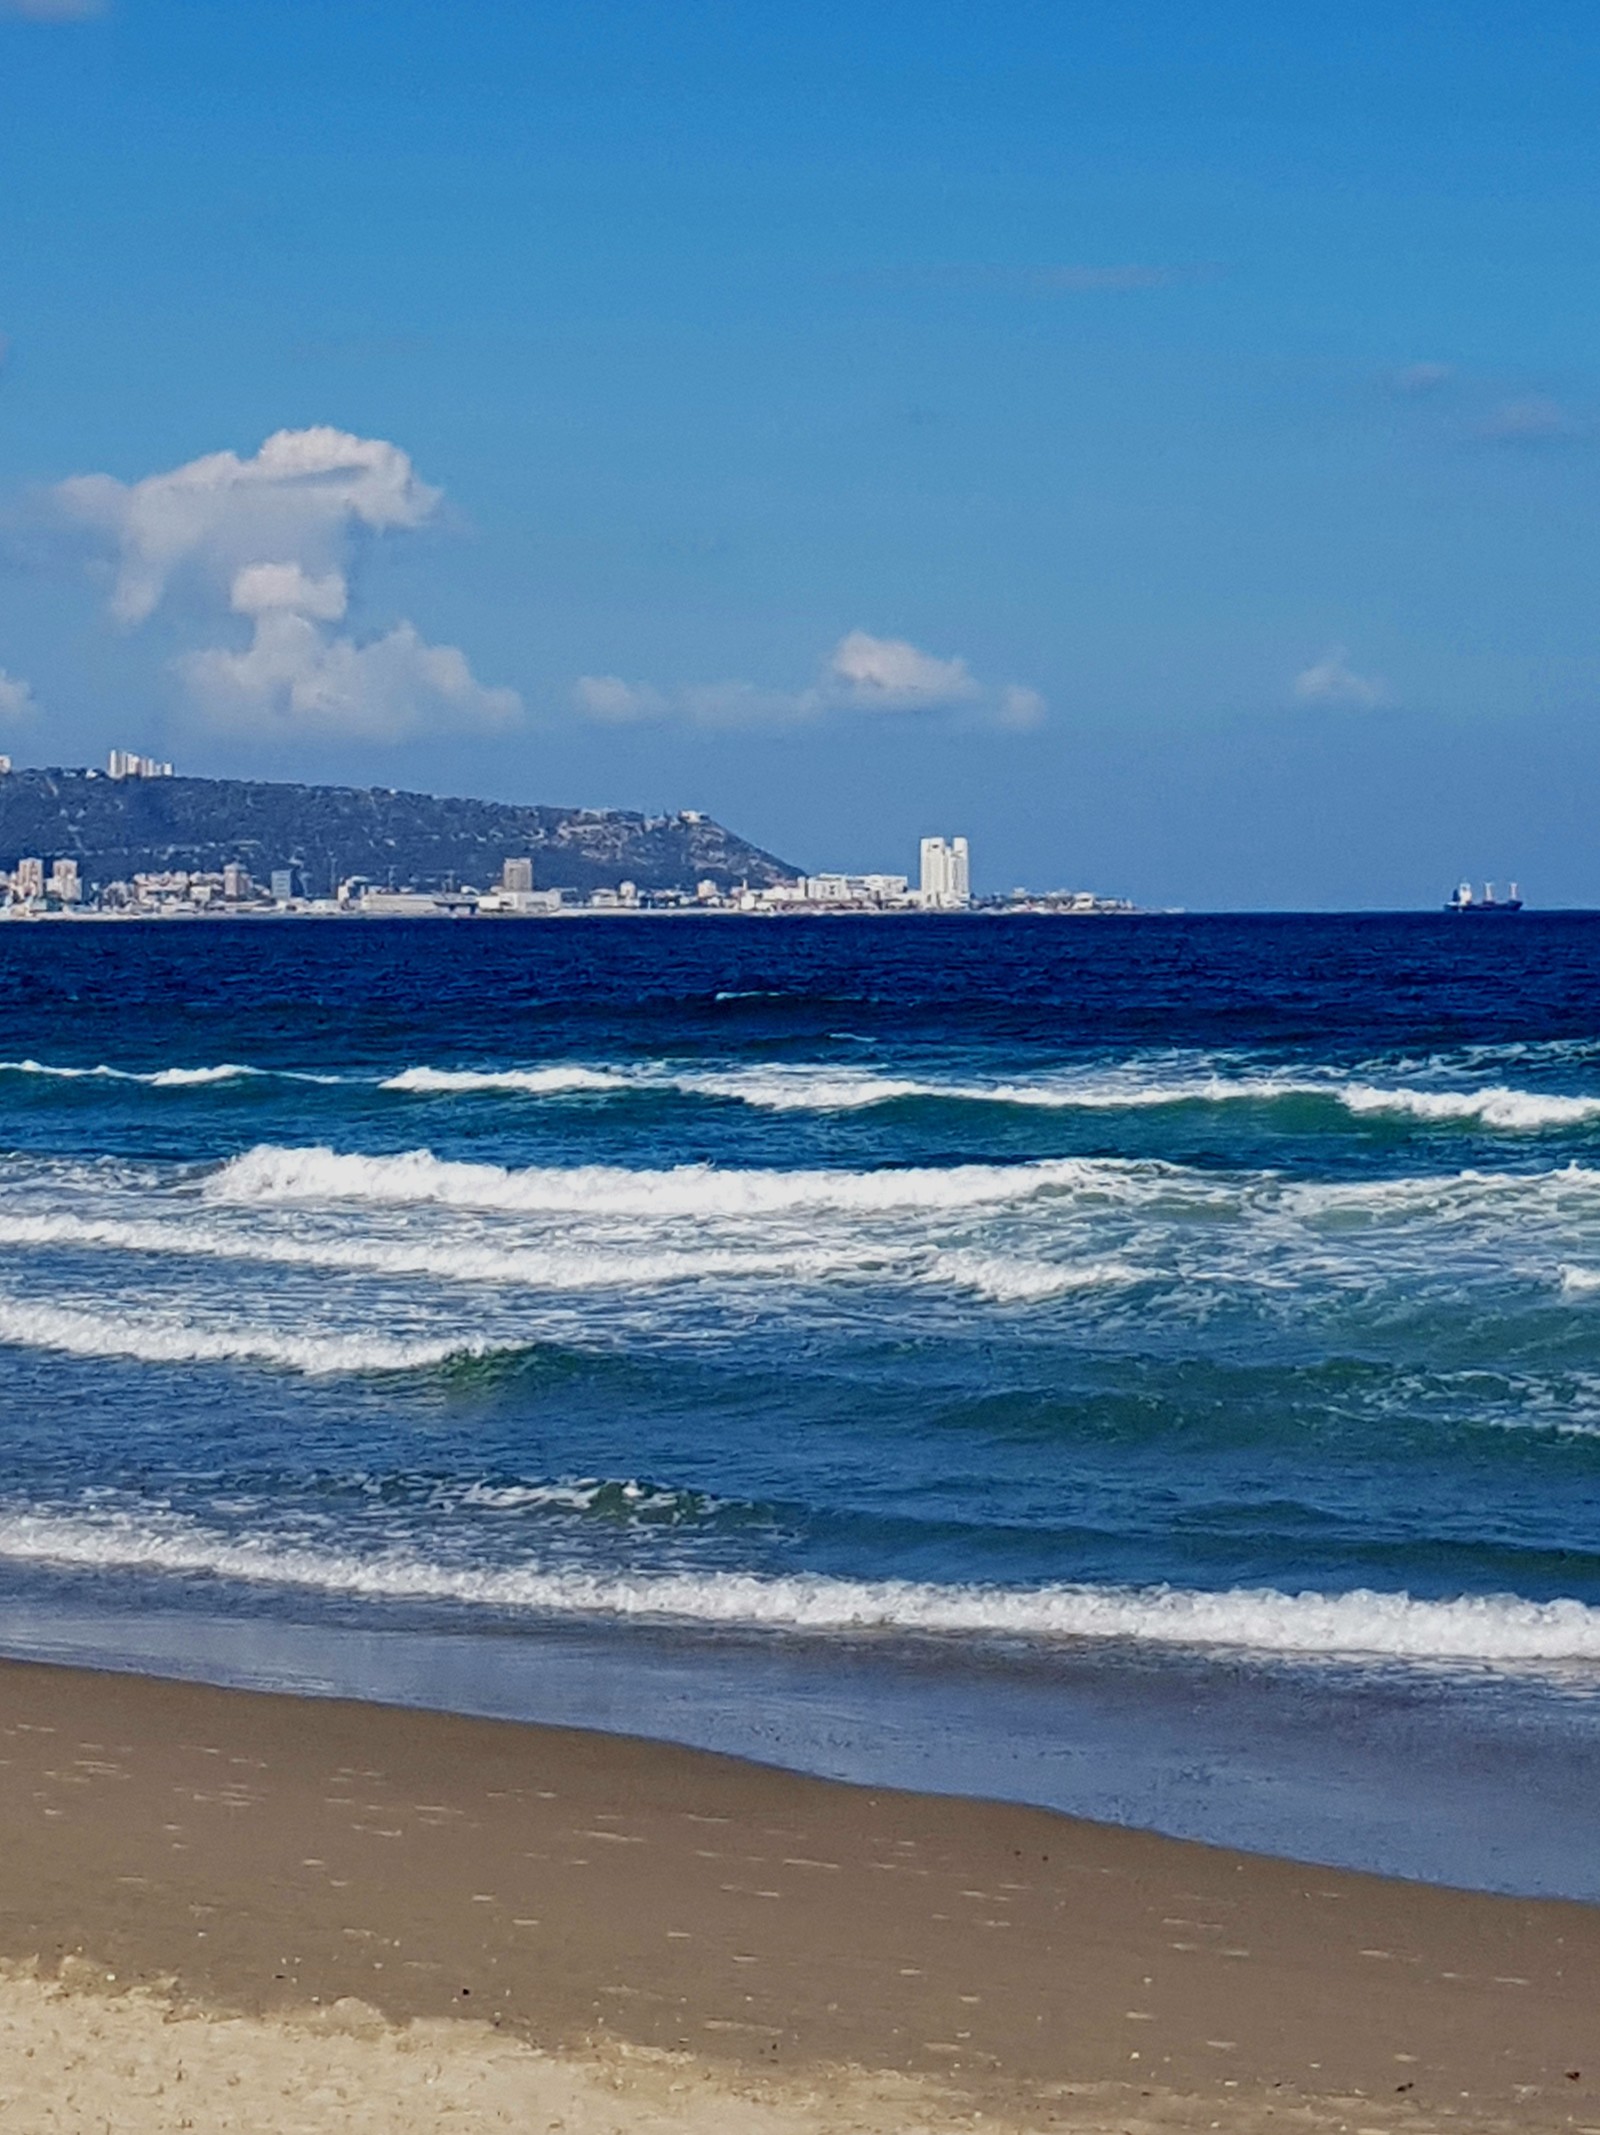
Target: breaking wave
{"type": "Point", "coordinates": [828, 1089]}
{"type": "Point", "coordinates": [822, 1088]}
{"type": "Point", "coordinates": [153, 1341]}
{"type": "Point", "coordinates": [172, 1078]}
{"type": "Point", "coordinates": [268, 1173]}
{"type": "Point", "coordinates": [560, 1268]}
{"type": "Point", "coordinates": [527, 1082]}
{"type": "Point", "coordinates": [1453, 1193]}
{"type": "Point", "coordinates": [1006, 1281]}
{"type": "Point", "coordinates": [1520, 1111]}
{"type": "Point", "coordinates": [1497, 1628]}
{"type": "Point", "coordinates": [792, 1089]}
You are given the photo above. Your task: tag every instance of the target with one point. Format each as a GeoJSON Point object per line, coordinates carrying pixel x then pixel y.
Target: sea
{"type": "Point", "coordinates": [1145, 1365]}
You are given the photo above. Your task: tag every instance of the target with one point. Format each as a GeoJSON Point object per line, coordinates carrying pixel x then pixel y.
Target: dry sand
{"type": "Point", "coordinates": [227, 1910]}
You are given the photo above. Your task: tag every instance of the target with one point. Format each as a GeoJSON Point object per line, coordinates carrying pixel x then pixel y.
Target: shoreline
{"type": "Point", "coordinates": [267, 1857]}
{"type": "Point", "coordinates": [1105, 910]}
{"type": "Point", "coordinates": [1472, 1785]}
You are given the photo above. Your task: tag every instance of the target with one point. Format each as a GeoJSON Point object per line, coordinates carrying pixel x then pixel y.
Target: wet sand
{"type": "Point", "coordinates": [284, 1896]}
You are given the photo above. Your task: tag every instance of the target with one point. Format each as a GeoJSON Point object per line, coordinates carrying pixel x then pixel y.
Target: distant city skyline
{"type": "Point", "coordinates": [1163, 444]}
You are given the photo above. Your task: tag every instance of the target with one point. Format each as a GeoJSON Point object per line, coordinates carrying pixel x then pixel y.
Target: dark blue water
{"type": "Point", "coordinates": [1131, 1295]}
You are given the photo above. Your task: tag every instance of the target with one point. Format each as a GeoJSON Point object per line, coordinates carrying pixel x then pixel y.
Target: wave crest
{"type": "Point", "coordinates": [1487, 1628]}
{"type": "Point", "coordinates": [270, 1173]}
{"type": "Point", "coordinates": [526, 1082]}
{"type": "Point", "coordinates": [563, 1268]}
{"type": "Point", "coordinates": [169, 1078]}
{"type": "Point", "coordinates": [91, 1334]}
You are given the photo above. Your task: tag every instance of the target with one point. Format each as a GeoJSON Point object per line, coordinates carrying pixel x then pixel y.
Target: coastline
{"type": "Point", "coordinates": [1104, 909]}
{"type": "Point", "coordinates": [768, 1937]}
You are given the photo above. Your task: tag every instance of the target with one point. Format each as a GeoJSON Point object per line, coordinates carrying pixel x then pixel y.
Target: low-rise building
{"type": "Point", "coordinates": [399, 904]}
{"type": "Point", "coordinates": [523, 904]}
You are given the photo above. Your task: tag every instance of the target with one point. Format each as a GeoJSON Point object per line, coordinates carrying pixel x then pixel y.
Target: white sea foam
{"type": "Point", "coordinates": [785, 1089]}
{"type": "Point", "coordinates": [443, 1259]}
{"type": "Point", "coordinates": [1007, 1281]}
{"type": "Point", "coordinates": [180, 1078]}
{"type": "Point", "coordinates": [171, 1078]}
{"type": "Point", "coordinates": [821, 1089]}
{"type": "Point", "coordinates": [1444, 1192]}
{"type": "Point", "coordinates": [824, 1088]}
{"type": "Point", "coordinates": [569, 1268]}
{"type": "Point", "coordinates": [1520, 1111]}
{"type": "Point", "coordinates": [644, 1501]}
{"type": "Point", "coordinates": [1502, 1628]}
{"type": "Point", "coordinates": [68, 1074]}
{"type": "Point", "coordinates": [1578, 1282]}
{"type": "Point", "coordinates": [162, 1341]}
{"type": "Point", "coordinates": [828, 1089]}
{"type": "Point", "coordinates": [526, 1082]}
{"type": "Point", "coordinates": [268, 1174]}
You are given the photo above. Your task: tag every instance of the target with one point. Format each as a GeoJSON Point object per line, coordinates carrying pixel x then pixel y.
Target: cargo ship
{"type": "Point", "coordinates": [1462, 900]}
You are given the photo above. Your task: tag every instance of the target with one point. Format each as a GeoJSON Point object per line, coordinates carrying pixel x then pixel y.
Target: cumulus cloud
{"type": "Point", "coordinates": [266, 588]}
{"type": "Point", "coordinates": [298, 500]}
{"type": "Point", "coordinates": [296, 677]}
{"type": "Point", "coordinates": [273, 538]}
{"type": "Point", "coordinates": [893, 674]}
{"type": "Point", "coordinates": [862, 674]}
{"type": "Point", "coordinates": [1332, 681]}
{"type": "Point", "coordinates": [17, 700]}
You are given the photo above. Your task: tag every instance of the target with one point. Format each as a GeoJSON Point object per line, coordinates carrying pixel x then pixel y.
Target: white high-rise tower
{"type": "Point", "coordinates": [946, 874]}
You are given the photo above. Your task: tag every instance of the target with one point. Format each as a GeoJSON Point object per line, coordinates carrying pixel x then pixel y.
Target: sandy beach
{"type": "Point", "coordinates": [281, 1913]}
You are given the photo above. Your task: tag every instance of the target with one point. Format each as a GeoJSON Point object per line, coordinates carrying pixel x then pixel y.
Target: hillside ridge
{"type": "Point", "coordinates": [118, 827]}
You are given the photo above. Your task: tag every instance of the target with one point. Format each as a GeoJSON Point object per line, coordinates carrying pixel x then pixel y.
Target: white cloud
{"type": "Point", "coordinates": [53, 10]}
{"type": "Point", "coordinates": [890, 673]}
{"type": "Point", "coordinates": [1020, 709]}
{"type": "Point", "coordinates": [863, 673]}
{"type": "Point", "coordinates": [302, 498]}
{"type": "Point", "coordinates": [262, 587]}
{"type": "Point", "coordinates": [17, 700]}
{"type": "Point", "coordinates": [1332, 681]}
{"type": "Point", "coordinates": [274, 538]}
{"type": "Point", "coordinates": [296, 678]}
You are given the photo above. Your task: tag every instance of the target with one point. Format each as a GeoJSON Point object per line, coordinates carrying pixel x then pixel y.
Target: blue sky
{"type": "Point", "coordinates": [1160, 442]}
